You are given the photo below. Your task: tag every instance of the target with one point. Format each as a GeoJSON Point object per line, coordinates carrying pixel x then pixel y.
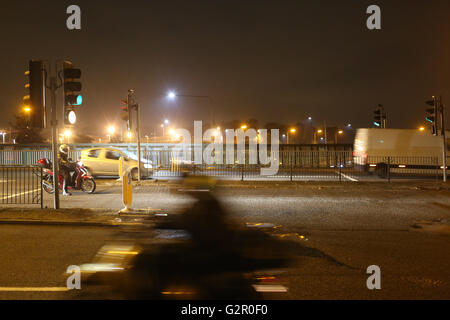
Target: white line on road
{"type": "Point", "coordinates": [20, 194]}
{"type": "Point", "coordinates": [33, 289]}
{"type": "Point", "coordinates": [346, 176]}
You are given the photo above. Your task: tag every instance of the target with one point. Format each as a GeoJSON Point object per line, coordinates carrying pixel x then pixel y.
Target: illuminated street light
{"type": "Point", "coordinates": [27, 109]}
{"type": "Point", "coordinates": [111, 129]}
{"type": "Point", "coordinates": [292, 130]}
{"type": "Point", "coordinates": [244, 126]}
{"type": "Point", "coordinates": [129, 135]}
{"type": "Point", "coordinates": [67, 133]}
{"type": "Point", "coordinates": [319, 131]}
{"type": "Point", "coordinates": [309, 118]}
{"type": "Point", "coordinates": [166, 121]}
{"type": "Point", "coordinates": [171, 95]}
{"type": "Point", "coordinates": [421, 129]}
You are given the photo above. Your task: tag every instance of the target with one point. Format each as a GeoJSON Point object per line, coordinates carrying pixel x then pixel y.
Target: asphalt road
{"type": "Point", "coordinates": [355, 225]}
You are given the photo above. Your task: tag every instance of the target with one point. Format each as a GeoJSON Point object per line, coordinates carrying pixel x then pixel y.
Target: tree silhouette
{"type": "Point", "coordinates": [23, 133]}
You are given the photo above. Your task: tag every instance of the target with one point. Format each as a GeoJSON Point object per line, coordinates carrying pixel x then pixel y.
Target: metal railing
{"type": "Point", "coordinates": [21, 185]}
{"type": "Point", "coordinates": [304, 165]}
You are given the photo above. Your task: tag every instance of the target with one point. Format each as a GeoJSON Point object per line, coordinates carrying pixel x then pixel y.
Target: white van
{"type": "Point", "coordinates": [418, 151]}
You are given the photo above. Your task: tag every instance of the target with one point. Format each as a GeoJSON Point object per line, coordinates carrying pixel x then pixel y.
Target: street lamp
{"type": "Point", "coordinates": [319, 131]}
{"type": "Point", "coordinates": [292, 130]}
{"type": "Point", "coordinates": [244, 127]}
{"type": "Point", "coordinates": [67, 134]}
{"type": "Point", "coordinates": [129, 135]}
{"type": "Point", "coordinates": [422, 129]}
{"type": "Point", "coordinates": [27, 110]}
{"type": "Point", "coordinates": [338, 132]}
{"type": "Point", "coordinates": [111, 129]}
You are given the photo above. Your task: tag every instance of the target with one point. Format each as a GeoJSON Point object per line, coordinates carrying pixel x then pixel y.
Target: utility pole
{"type": "Point", "coordinates": [444, 142]}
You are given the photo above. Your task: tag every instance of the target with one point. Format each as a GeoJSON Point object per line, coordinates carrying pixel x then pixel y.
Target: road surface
{"type": "Point", "coordinates": [356, 226]}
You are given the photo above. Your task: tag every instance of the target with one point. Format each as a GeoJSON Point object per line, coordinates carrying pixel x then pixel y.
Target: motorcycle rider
{"type": "Point", "coordinates": [65, 167]}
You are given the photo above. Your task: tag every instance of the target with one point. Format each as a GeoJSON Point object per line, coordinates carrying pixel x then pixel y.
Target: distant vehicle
{"type": "Point", "coordinates": [105, 162]}
{"type": "Point", "coordinates": [420, 152]}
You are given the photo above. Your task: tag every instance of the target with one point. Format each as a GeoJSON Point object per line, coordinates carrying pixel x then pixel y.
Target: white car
{"type": "Point", "coordinates": [105, 162]}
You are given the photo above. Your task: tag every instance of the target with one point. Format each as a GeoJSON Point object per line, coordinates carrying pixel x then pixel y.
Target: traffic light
{"type": "Point", "coordinates": [126, 114]}
{"type": "Point", "coordinates": [379, 117]}
{"type": "Point", "coordinates": [34, 101]}
{"type": "Point", "coordinates": [72, 88]}
{"type": "Point", "coordinates": [431, 114]}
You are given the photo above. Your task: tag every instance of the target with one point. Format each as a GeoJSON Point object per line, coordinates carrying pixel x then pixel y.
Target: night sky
{"type": "Point", "coordinates": [271, 60]}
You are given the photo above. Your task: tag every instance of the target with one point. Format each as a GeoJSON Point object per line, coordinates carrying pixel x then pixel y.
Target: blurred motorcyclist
{"type": "Point", "coordinates": [205, 220]}
{"type": "Point", "coordinates": [65, 167]}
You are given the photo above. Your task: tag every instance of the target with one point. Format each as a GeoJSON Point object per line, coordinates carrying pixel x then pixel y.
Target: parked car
{"type": "Point", "coordinates": [105, 162]}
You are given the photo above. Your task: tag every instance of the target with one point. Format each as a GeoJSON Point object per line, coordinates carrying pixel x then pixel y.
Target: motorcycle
{"type": "Point", "coordinates": [80, 180]}
{"type": "Point", "coordinates": [147, 263]}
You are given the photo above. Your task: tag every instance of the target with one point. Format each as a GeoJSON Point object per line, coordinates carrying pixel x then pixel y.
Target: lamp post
{"type": "Point", "coordinates": [292, 130]}
{"type": "Point", "coordinates": [315, 135]}
{"type": "Point", "coordinates": [111, 130]}
{"type": "Point", "coordinates": [337, 133]}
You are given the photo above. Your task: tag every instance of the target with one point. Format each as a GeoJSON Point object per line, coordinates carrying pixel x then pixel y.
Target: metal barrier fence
{"type": "Point", "coordinates": [302, 166]}
{"type": "Point", "coordinates": [293, 165]}
{"type": "Point", "coordinates": [21, 185]}
{"type": "Point", "coordinates": [29, 157]}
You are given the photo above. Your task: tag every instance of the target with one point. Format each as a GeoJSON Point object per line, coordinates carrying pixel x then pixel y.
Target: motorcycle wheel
{"type": "Point", "coordinates": [47, 184]}
{"type": "Point", "coordinates": [88, 185]}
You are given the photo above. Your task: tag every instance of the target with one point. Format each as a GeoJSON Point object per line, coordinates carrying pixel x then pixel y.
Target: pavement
{"type": "Point", "coordinates": [339, 206]}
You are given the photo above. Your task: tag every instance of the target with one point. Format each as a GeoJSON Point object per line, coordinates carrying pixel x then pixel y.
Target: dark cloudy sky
{"type": "Point", "coordinates": [272, 60]}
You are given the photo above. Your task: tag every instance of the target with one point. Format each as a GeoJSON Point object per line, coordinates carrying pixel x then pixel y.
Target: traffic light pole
{"type": "Point", "coordinates": [138, 129]}
{"type": "Point", "coordinates": [53, 89]}
{"type": "Point", "coordinates": [132, 105]}
{"type": "Point", "coordinates": [444, 142]}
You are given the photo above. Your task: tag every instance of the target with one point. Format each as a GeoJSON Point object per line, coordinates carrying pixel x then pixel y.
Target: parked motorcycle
{"type": "Point", "coordinates": [80, 180]}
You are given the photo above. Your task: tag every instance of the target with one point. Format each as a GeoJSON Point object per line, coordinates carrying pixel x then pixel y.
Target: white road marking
{"type": "Point", "coordinates": [33, 289]}
{"type": "Point", "coordinates": [20, 194]}
{"type": "Point", "coordinates": [346, 176]}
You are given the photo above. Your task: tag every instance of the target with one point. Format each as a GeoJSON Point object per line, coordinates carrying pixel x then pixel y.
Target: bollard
{"type": "Point", "coordinates": [127, 191]}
